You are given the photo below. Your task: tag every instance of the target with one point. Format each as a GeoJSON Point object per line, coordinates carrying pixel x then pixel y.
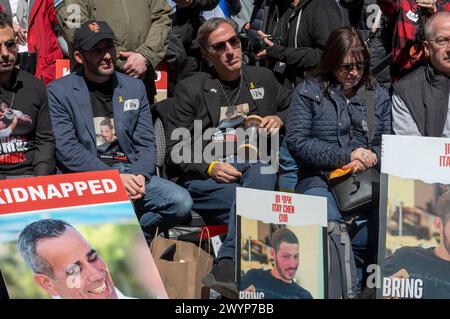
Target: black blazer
{"type": "Point", "coordinates": [198, 98]}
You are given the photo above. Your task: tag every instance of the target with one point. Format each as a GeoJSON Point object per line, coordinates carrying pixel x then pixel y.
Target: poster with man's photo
{"type": "Point", "coordinates": [281, 245]}
{"type": "Point", "coordinates": [73, 236]}
{"type": "Point", "coordinates": [414, 238]}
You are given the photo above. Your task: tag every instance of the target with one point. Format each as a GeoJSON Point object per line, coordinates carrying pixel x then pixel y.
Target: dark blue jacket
{"type": "Point", "coordinates": [73, 125]}
{"type": "Point", "coordinates": [323, 130]}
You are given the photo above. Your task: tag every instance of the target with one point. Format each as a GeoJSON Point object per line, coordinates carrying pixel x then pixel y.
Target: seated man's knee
{"type": "Point", "coordinates": [182, 203]}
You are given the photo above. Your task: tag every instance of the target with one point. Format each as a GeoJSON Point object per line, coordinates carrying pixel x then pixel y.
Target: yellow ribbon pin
{"type": "Point", "coordinates": [252, 86]}
{"type": "Point", "coordinates": [120, 99]}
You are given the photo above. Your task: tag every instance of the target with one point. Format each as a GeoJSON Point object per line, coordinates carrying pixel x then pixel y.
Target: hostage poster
{"type": "Point", "coordinates": [73, 236]}
{"type": "Point", "coordinates": [281, 245]}
{"type": "Point", "coordinates": [414, 238]}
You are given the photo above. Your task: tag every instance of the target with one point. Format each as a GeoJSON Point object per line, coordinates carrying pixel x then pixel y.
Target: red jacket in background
{"type": "Point", "coordinates": [43, 40]}
{"type": "Point", "coordinates": [406, 53]}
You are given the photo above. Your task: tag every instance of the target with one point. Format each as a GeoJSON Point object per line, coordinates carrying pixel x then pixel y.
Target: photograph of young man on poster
{"type": "Point", "coordinates": [417, 272]}
{"type": "Point", "coordinates": [63, 262]}
{"type": "Point", "coordinates": [278, 282]}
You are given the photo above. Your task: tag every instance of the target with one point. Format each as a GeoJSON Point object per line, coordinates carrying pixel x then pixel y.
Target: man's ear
{"type": "Point", "coordinates": [45, 283]}
{"type": "Point", "coordinates": [272, 253]}
{"type": "Point", "coordinates": [426, 46]}
{"type": "Point", "coordinates": [78, 57]}
{"type": "Point", "coordinates": [438, 225]}
{"type": "Point", "coordinates": [205, 55]}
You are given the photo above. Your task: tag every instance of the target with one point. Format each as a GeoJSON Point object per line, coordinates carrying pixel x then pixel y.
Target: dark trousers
{"type": "Point", "coordinates": [216, 202]}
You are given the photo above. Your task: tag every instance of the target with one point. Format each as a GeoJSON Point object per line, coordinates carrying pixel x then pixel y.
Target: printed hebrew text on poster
{"type": "Point", "coordinates": [281, 245]}
{"type": "Point", "coordinates": [414, 245]}
{"type": "Point", "coordinates": [73, 236]}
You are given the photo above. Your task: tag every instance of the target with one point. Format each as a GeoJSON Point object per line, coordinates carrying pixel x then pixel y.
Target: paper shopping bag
{"type": "Point", "coordinates": [182, 266]}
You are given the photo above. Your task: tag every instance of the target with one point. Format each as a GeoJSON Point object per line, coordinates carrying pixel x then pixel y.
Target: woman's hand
{"type": "Point", "coordinates": [356, 166]}
{"type": "Point", "coordinates": [366, 157]}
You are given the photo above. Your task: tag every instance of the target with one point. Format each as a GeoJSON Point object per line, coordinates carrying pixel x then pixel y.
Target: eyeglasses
{"type": "Point", "coordinates": [220, 47]}
{"type": "Point", "coordinates": [102, 50]}
{"type": "Point", "coordinates": [348, 67]}
{"type": "Point", "coordinates": [441, 42]}
{"type": "Point", "coordinates": [10, 45]}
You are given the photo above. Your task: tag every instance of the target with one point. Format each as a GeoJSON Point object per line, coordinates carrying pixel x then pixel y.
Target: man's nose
{"type": "Point", "coordinates": [4, 52]}
{"type": "Point", "coordinates": [293, 263]}
{"type": "Point", "coordinates": [447, 49]}
{"type": "Point", "coordinates": [94, 274]}
{"type": "Point", "coordinates": [354, 71]}
{"type": "Point", "coordinates": [228, 47]}
{"type": "Point", "coordinates": [107, 55]}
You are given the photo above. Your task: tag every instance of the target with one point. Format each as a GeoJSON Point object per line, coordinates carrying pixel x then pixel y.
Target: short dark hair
{"type": "Point", "coordinates": [340, 42]}
{"type": "Point", "coordinates": [29, 237]}
{"type": "Point", "coordinates": [283, 235]}
{"type": "Point", "coordinates": [106, 122]}
{"type": "Point", "coordinates": [5, 20]}
{"type": "Point", "coordinates": [443, 207]}
{"type": "Point", "coordinates": [209, 27]}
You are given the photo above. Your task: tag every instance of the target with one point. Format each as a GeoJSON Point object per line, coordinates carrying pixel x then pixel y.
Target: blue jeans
{"type": "Point", "coordinates": [216, 202]}
{"type": "Point", "coordinates": [359, 234]}
{"type": "Point", "coordinates": [287, 177]}
{"type": "Point", "coordinates": [164, 205]}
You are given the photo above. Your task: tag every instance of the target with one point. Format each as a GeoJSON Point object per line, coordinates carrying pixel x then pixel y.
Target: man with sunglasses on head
{"type": "Point", "coordinates": [421, 104]}
{"type": "Point", "coordinates": [79, 105]}
{"type": "Point", "coordinates": [26, 137]}
{"type": "Point", "coordinates": [219, 101]}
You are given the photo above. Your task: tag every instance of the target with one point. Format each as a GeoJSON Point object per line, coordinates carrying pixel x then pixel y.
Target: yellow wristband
{"type": "Point", "coordinates": [211, 167]}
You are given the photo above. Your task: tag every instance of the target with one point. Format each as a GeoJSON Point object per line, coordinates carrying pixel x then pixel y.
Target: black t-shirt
{"type": "Point", "coordinates": [421, 263]}
{"type": "Point", "coordinates": [108, 148]}
{"type": "Point", "coordinates": [273, 288]}
{"type": "Point", "coordinates": [26, 135]}
{"type": "Point", "coordinates": [236, 103]}
{"type": "Point", "coordinates": [236, 93]}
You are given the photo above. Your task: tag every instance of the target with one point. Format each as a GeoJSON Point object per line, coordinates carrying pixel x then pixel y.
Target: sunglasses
{"type": "Point", "coordinates": [10, 45]}
{"type": "Point", "coordinates": [102, 50]}
{"type": "Point", "coordinates": [348, 67]}
{"type": "Point", "coordinates": [220, 47]}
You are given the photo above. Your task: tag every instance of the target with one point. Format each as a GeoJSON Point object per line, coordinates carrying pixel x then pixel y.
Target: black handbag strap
{"type": "Point", "coordinates": [370, 116]}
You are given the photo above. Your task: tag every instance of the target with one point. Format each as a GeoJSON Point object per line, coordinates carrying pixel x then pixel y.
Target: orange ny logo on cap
{"type": "Point", "coordinates": [94, 27]}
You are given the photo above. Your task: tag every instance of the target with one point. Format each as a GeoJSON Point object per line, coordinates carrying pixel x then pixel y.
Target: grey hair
{"type": "Point", "coordinates": [210, 26]}
{"type": "Point", "coordinates": [29, 237]}
{"type": "Point", "coordinates": [428, 29]}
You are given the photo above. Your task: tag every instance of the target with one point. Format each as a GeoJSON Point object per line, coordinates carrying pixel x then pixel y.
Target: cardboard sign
{"type": "Point", "coordinates": [86, 230]}
{"type": "Point", "coordinates": [414, 207]}
{"type": "Point", "coordinates": [62, 67]}
{"type": "Point", "coordinates": [295, 268]}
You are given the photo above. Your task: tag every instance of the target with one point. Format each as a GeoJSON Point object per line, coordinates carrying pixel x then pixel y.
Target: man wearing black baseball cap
{"type": "Point", "coordinates": [141, 26]}
{"type": "Point", "coordinates": [90, 33]}
{"type": "Point", "coordinates": [97, 94]}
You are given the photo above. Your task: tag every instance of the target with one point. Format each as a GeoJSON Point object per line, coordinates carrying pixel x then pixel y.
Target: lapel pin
{"type": "Point", "coordinates": [252, 86]}
{"type": "Point", "coordinates": [214, 90]}
{"type": "Point", "coordinates": [120, 99]}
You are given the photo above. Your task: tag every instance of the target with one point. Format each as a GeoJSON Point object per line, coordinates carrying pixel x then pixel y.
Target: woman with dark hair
{"type": "Point", "coordinates": [327, 124]}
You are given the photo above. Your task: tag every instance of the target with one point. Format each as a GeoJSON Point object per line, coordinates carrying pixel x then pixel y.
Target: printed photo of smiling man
{"type": "Point", "coordinates": [64, 264]}
{"type": "Point", "coordinates": [278, 282]}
